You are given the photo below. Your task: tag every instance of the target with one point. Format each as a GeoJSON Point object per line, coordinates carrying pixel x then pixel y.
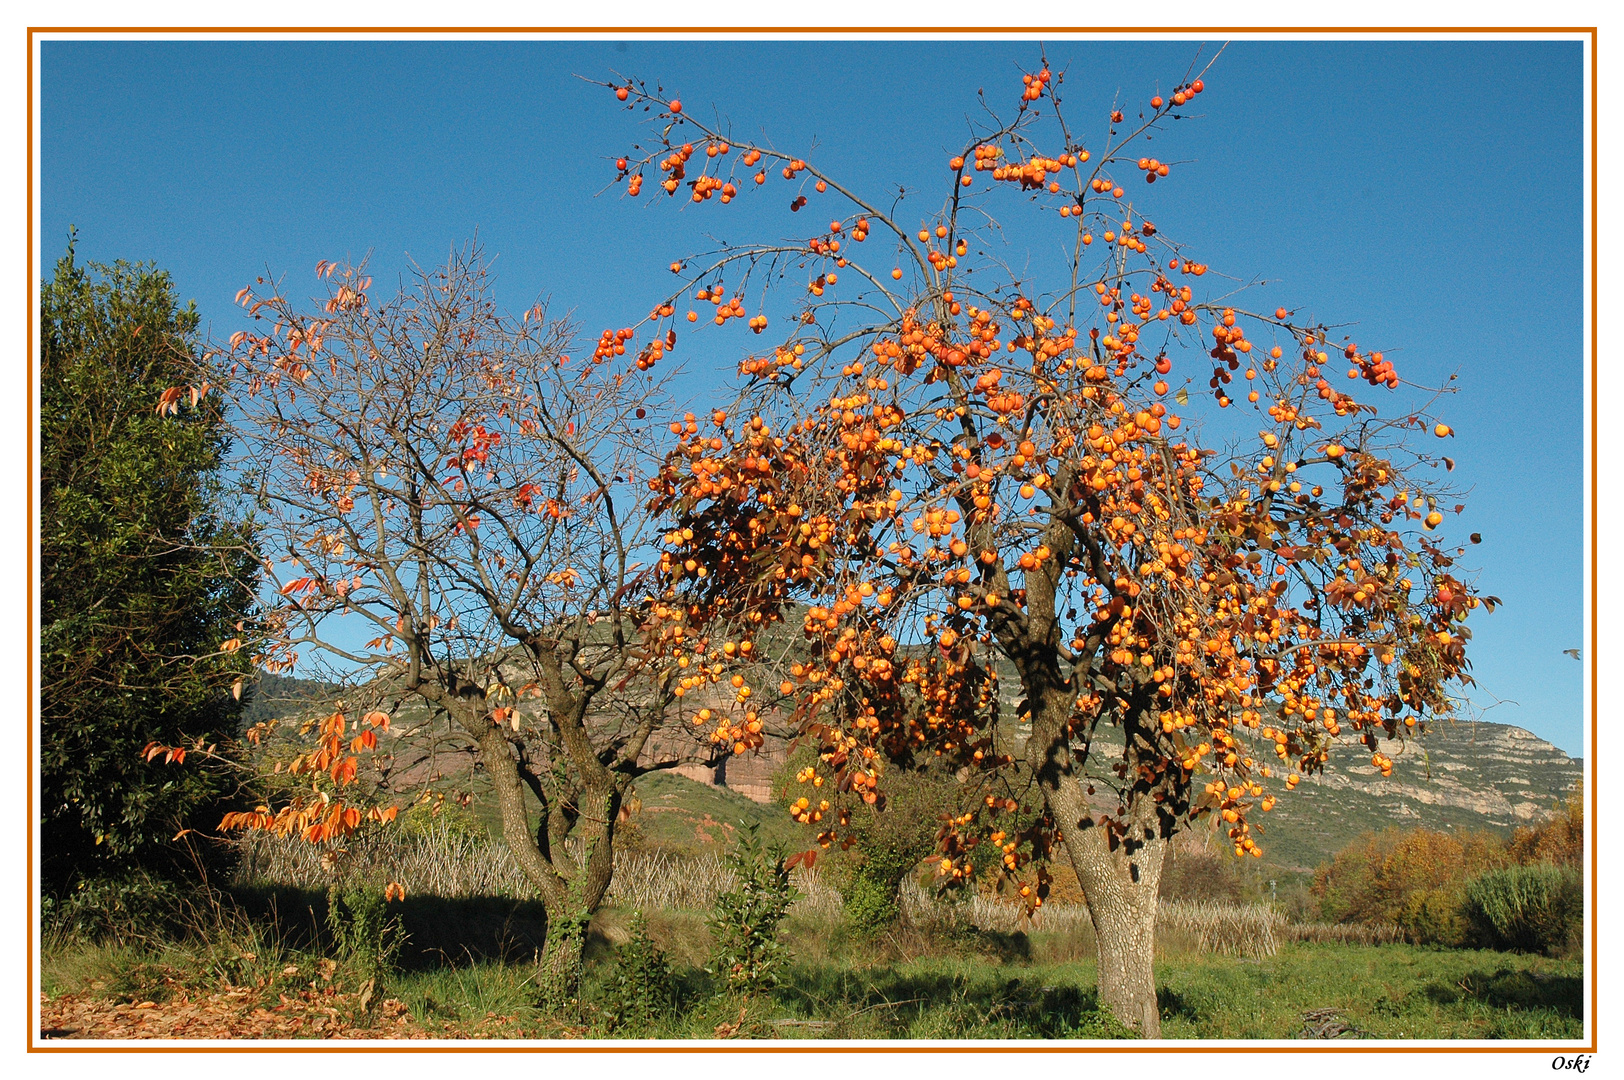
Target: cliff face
{"type": "Point", "coordinates": [751, 775]}
{"type": "Point", "coordinates": [1507, 775]}
{"type": "Point", "coordinates": [1457, 777]}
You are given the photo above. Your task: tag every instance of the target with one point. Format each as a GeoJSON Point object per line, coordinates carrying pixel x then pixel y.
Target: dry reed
{"type": "Point", "coordinates": [1346, 933]}
{"type": "Point", "coordinates": [442, 861]}
{"type": "Point", "coordinates": [438, 860]}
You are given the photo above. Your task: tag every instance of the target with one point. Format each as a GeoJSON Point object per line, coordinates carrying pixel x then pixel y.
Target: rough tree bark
{"type": "Point", "coordinates": [1120, 873]}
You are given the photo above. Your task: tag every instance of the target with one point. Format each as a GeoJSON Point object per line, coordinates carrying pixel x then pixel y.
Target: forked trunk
{"type": "Point", "coordinates": [570, 891]}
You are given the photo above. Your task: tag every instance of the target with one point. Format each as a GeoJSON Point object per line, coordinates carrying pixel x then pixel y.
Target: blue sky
{"type": "Point", "coordinates": [1428, 192]}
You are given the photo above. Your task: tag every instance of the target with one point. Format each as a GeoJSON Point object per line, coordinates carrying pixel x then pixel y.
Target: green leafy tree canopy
{"type": "Point", "coordinates": [145, 579]}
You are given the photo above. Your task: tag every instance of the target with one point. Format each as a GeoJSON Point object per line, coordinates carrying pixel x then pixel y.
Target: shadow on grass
{"type": "Point", "coordinates": [947, 1005]}
{"type": "Point", "coordinates": [1175, 1005]}
{"type": "Point", "coordinates": [440, 932]}
{"type": "Point", "coordinates": [1523, 990]}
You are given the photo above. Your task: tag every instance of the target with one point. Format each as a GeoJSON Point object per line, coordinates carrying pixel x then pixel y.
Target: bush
{"type": "Point", "coordinates": [643, 989]}
{"type": "Point", "coordinates": [133, 906]}
{"type": "Point", "coordinates": [442, 818]}
{"type": "Point", "coordinates": [1435, 917]}
{"type": "Point", "coordinates": [1526, 908]}
{"type": "Point", "coordinates": [1462, 889]}
{"type": "Point", "coordinates": [1195, 870]}
{"type": "Point", "coordinates": [1559, 839]}
{"type": "Point", "coordinates": [889, 839]}
{"type": "Point", "coordinates": [366, 938]}
{"type": "Point", "coordinates": [748, 953]}
{"type": "Point", "coordinates": [1378, 877]}
{"type": "Point", "coordinates": [143, 574]}
{"type": "Point", "coordinates": [872, 903]}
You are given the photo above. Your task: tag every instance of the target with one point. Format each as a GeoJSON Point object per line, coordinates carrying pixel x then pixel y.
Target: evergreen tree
{"type": "Point", "coordinates": [144, 579]}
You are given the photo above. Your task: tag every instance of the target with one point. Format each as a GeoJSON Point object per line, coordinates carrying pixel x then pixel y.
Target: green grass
{"type": "Point", "coordinates": [917, 984]}
{"type": "Point", "coordinates": [1384, 991]}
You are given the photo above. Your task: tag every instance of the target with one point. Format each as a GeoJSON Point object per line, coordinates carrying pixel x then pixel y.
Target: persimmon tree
{"type": "Point", "coordinates": [452, 509]}
{"type": "Point", "coordinates": [953, 477]}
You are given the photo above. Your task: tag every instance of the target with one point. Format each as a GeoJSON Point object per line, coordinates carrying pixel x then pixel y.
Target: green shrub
{"type": "Point", "coordinates": [1375, 878]}
{"type": "Point", "coordinates": [643, 989]}
{"type": "Point", "coordinates": [1092, 1024]}
{"type": "Point", "coordinates": [133, 906]}
{"type": "Point", "coordinates": [888, 838]}
{"type": "Point", "coordinates": [144, 570]}
{"type": "Point", "coordinates": [366, 937]}
{"type": "Point", "coordinates": [1525, 908]}
{"type": "Point", "coordinates": [871, 901]}
{"type": "Point", "coordinates": [442, 818]}
{"type": "Point", "coordinates": [1435, 917]}
{"type": "Point", "coordinates": [748, 953]}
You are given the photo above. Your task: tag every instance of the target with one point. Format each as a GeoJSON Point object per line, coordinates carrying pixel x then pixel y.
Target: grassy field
{"type": "Point", "coordinates": [262, 963]}
{"type": "Point", "coordinates": [911, 985]}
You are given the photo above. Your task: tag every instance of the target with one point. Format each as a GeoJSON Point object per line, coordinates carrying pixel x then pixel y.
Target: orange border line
{"type": "Point", "coordinates": [1595, 511]}
{"type": "Point", "coordinates": [28, 437]}
{"type": "Point", "coordinates": [735, 31]}
{"type": "Point", "coordinates": [802, 1048]}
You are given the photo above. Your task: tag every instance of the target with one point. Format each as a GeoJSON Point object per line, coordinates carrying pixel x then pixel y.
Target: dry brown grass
{"type": "Point", "coordinates": [1346, 933]}
{"type": "Point", "coordinates": [442, 861]}
{"type": "Point", "coordinates": [436, 860]}
{"type": "Point", "coordinates": [662, 882]}
{"type": "Point", "coordinates": [1228, 929]}
{"type": "Point", "coordinates": [1181, 926]}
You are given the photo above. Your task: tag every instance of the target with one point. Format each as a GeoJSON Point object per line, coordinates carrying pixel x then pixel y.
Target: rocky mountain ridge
{"type": "Point", "coordinates": [1460, 776]}
{"type": "Point", "coordinates": [1457, 776]}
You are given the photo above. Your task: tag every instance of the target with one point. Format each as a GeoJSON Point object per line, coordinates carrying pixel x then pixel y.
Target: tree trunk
{"type": "Point", "coordinates": [569, 897]}
{"type": "Point", "coordinates": [1120, 871]}
{"type": "Point", "coordinates": [1120, 887]}
{"type": "Point", "coordinates": [1120, 884]}
{"type": "Point", "coordinates": [559, 976]}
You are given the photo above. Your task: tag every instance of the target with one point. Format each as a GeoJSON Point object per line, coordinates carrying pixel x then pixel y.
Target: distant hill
{"type": "Point", "coordinates": [273, 697]}
{"type": "Point", "coordinates": [688, 817]}
{"type": "Point", "coordinates": [1458, 776]}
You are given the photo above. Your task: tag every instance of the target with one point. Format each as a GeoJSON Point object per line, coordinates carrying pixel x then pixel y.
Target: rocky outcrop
{"type": "Point", "coordinates": [1504, 774]}
{"type": "Point", "coordinates": [1461, 776]}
